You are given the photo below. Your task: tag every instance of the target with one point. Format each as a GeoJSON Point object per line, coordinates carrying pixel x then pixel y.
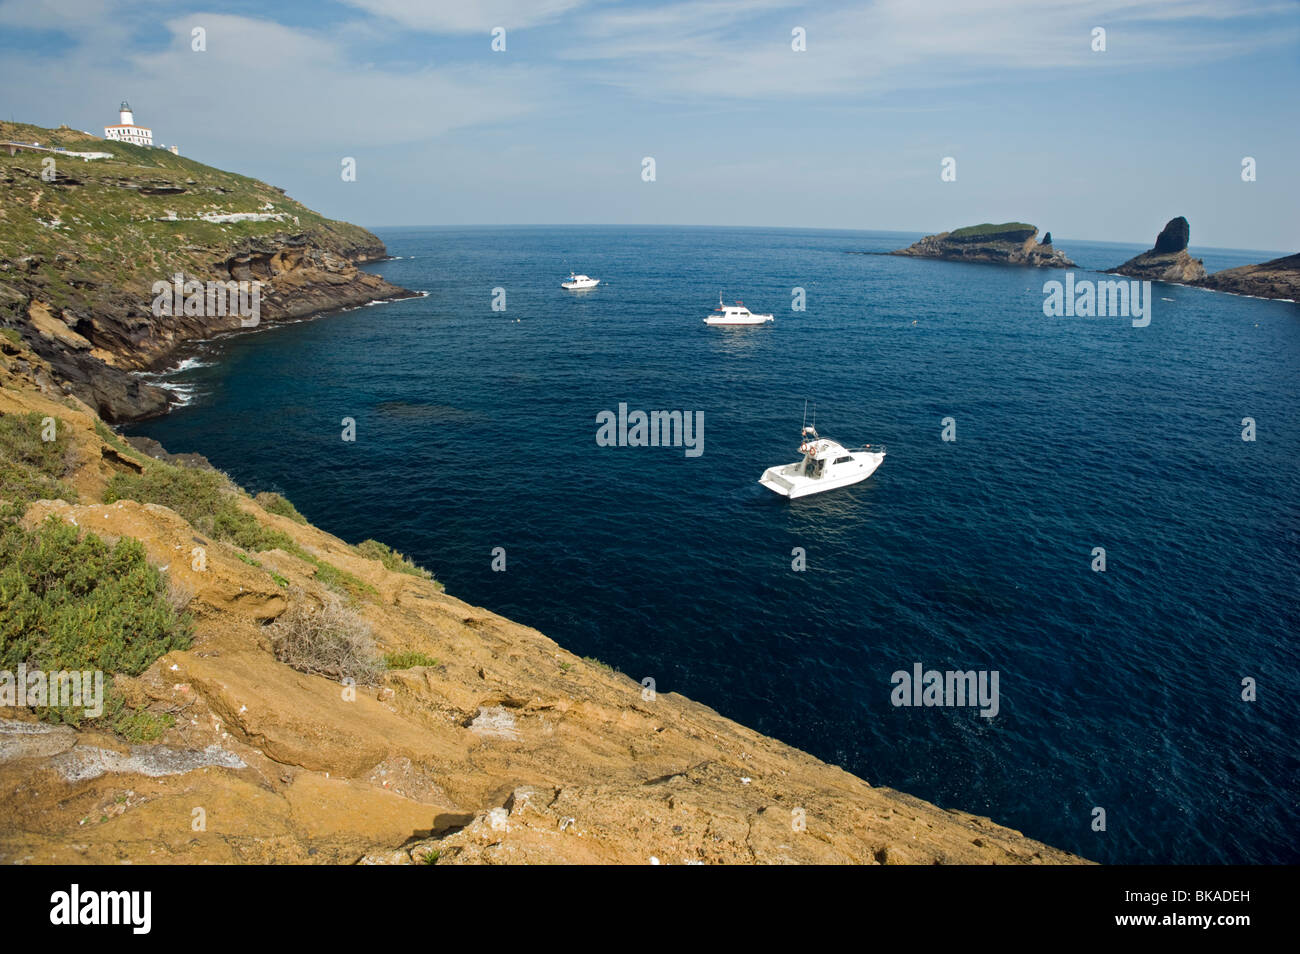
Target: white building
{"type": "Point", "coordinates": [127, 130]}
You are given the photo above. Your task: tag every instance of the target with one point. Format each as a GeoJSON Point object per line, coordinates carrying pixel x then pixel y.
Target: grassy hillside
{"type": "Point", "coordinates": [976, 231]}
{"type": "Point", "coordinates": [83, 242]}
{"type": "Point", "coordinates": [107, 220]}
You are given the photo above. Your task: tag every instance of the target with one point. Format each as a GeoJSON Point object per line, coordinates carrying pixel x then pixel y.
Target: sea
{"type": "Point", "coordinates": [1103, 515]}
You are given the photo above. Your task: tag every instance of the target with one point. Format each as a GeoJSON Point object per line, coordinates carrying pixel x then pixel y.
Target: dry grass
{"type": "Point", "coordinates": [326, 639]}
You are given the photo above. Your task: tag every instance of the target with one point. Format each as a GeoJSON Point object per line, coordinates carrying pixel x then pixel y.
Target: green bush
{"type": "Point", "coordinates": [31, 468]}
{"type": "Point", "coordinates": [278, 504]}
{"type": "Point", "coordinates": [77, 603]}
{"type": "Point", "coordinates": [408, 660]}
{"type": "Point", "coordinates": [391, 559]}
{"type": "Point", "coordinates": [210, 503]}
{"type": "Point", "coordinates": [204, 498]}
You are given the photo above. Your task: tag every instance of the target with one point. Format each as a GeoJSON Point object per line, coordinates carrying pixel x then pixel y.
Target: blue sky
{"type": "Point", "coordinates": [849, 133]}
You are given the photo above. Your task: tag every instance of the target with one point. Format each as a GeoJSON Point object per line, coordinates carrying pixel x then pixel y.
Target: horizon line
{"type": "Point", "coordinates": [1280, 253]}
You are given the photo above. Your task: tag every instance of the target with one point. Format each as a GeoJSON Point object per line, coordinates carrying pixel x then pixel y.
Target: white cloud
{"type": "Point", "coordinates": [738, 49]}
{"type": "Point", "coordinates": [275, 85]}
{"type": "Point", "coordinates": [467, 16]}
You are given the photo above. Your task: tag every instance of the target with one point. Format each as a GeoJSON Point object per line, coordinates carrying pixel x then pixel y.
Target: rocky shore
{"type": "Point", "coordinates": [1278, 278]}
{"type": "Point", "coordinates": [1012, 243]}
{"type": "Point", "coordinates": [83, 244]}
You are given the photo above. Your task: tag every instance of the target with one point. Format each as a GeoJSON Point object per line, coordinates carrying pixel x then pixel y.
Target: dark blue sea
{"type": "Point", "coordinates": [1120, 690]}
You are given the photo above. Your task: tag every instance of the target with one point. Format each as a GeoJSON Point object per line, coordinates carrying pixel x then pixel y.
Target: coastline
{"type": "Point", "coordinates": [540, 756]}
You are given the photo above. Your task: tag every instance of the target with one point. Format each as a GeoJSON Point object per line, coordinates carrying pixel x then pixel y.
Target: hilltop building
{"type": "Point", "coordinates": [127, 130]}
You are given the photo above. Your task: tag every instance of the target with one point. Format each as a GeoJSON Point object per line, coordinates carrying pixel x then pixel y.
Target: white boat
{"type": "Point", "coordinates": [826, 465]}
{"type": "Point", "coordinates": [579, 282]}
{"type": "Point", "coordinates": [736, 314]}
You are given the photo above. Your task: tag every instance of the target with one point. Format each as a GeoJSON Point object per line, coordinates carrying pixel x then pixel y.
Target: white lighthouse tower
{"type": "Point", "coordinates": [126, 130]}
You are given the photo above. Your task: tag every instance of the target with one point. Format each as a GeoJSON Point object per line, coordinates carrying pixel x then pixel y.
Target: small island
{"type": "Point", "coordinates": [1011, 243]}
{"type": "Point", "coordinates": [1168, 260]}
{"type": "Point", "coordinates": [1278, 278]}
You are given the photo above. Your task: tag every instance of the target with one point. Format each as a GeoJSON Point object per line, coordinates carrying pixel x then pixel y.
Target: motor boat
{"type": "Point", "coordinates": [736, 314]}
{"type": "Point", "coordinates": [826, 465]}
{"type": "Point", "coordinates": [579, 282]}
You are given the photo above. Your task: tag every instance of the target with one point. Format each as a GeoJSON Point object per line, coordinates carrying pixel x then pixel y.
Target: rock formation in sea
{"type": "Point", "coordinates": [84, 242]}
{"type": "Point", "coordinates": [1168, 260]}
{"type": "Point", "coordinates": [1011, 243]}
{"type": "Point", "coordinates": [1278, 278]}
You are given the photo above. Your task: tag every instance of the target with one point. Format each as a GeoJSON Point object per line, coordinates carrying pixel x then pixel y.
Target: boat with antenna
{"type": "Point", "coordinates": [825, 465]}
{"type": "Point", "coordinates": [736, 314]}
{"type": "Point", "coordinates": [579, 282]}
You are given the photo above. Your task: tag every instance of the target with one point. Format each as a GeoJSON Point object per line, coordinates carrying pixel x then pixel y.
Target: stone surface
{"type": "Point", "coordinates": [1014, 244]}
{"type": "Point", "coordinates": [1173, 237]}
{"type": "Point", "coordinates": [1168, 260]}
{"type": "Point", "coordinates": [1278, 278]}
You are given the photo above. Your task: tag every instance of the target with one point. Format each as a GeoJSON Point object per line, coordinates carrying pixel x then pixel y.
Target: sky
{"type": "Point", "coordinates": [745, 130]}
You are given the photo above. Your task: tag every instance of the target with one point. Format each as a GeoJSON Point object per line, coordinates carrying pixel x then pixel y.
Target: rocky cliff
{"type": "Point", "coordinates": [83, 242]}
{"type": "Point", "coordinates": [1012, 243]}
{"type": "Point", "coordinates": [1279, 278]}
{"type": "Point", "coordinates": [476, 740]}
{"type": "Point", "coordinates": [1168, 260]}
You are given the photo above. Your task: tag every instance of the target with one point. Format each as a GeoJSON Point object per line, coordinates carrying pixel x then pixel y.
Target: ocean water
{"type": "Point", "coordinates": [1120, 690]}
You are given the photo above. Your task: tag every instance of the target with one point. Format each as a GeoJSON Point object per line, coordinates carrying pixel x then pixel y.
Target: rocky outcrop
{"type": "Point", "coordinates": [1279, 278]}
{"type": "Point", "coordinates": [1011, 243]}
{"type": "Point", "coordinates": [1168, 260]}
{"type": "Point", "coordinates": [80, 256]}
{"type": "Point", "coordinates": [96, 341]}
{"type": "Point", "coordinates": [1173, 237]}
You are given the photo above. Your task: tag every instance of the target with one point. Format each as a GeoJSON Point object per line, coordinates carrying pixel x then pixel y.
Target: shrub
{"type": "Point", "coordinates": [204, 498]}
{"type": "Point", "coordinates": [31, 468]}
{"type": "Point", "coordinates": [391, 559]}
{"type": "Point", "coordinates": [340, 581]}
{"type": "Point", "coordinates": [75, 602]}
{"type": "Point", "coordinates": [592, 660]}
{"type": "Point", "coordinates": [327, 639]}
{"type": "Point", "coordinates": [278, 504]}
{"type": "Point", "coordinates": [210, 503]}
{"type": "Point", "coordinates": [408, 660]}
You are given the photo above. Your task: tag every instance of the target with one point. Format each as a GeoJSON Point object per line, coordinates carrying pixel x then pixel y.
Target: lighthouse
{"type": "Point", "coordinates": [126, 130]}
